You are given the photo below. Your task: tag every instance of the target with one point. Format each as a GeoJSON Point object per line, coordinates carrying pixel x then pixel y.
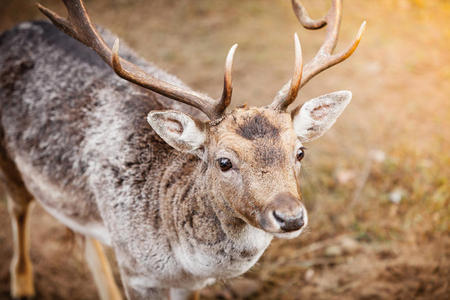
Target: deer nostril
{"type": "Point", "coordinates": [289, 223]}
{"type": "Point", "coordinates": [278, 216]}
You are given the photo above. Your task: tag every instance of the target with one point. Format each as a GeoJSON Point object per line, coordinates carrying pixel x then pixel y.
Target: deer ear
{"type": "Point", "coordinates": [317, 115]}
{"type": "Point", "coordinates": [178, 129]}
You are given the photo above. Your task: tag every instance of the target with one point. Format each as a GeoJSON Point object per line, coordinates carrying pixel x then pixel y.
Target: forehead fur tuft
{"type": "Point", "coordinates": [257, 127]}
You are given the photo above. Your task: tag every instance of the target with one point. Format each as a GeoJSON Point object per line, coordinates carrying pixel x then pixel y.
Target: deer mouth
{"type": "Point", "coordinates": [293, 234]}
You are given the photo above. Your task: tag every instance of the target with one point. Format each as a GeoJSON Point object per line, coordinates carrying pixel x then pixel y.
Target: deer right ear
{"type": "Point", "coordinates": [177, 129]}
{"type": "Point", "coordinates": [317, 115]}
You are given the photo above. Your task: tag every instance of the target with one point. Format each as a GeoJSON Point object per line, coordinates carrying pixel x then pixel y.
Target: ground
{"type": "Point", "coordinates": [376, 186]}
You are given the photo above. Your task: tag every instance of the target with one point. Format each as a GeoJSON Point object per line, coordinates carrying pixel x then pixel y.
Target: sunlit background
{"type": "Point", "coordinates": [376, 186]}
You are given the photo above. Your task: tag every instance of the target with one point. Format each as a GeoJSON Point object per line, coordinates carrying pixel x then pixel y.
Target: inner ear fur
{"type": "Point", "coordinates": [179, 130]}
{"type": "Point", "coordinates": [314, 117]}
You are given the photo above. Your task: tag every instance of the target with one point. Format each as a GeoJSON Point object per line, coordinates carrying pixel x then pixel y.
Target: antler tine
{"type": "Point", "coordinates": [303, 17]}
{"type": "Point", "coordinates": [324, 58]}
{"type": "Point", "coordinates": [333, 22]}
{"type": "Point", "coordinates": [294, 84]}
{"type": "Point", "coordinates": [79, 26]}
{"type": "Point", "coordinates": [225, 100]}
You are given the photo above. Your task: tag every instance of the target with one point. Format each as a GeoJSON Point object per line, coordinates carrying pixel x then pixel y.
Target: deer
{"type": "Point", "coordinates": [184, 190]}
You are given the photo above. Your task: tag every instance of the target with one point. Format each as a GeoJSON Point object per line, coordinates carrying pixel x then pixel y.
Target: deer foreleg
{"type": "Point", "coordinates": [101, 270]}
{"type": "Point", "coordinates": [21, 268]}
{"type": "Point", "coordinates": [182, 294]}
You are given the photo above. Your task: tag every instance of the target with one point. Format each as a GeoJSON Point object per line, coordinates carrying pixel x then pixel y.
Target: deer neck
{"type": "Point", "coordinates": [201, 202]}
{"type": "Point", "coordinates": [208, 235]}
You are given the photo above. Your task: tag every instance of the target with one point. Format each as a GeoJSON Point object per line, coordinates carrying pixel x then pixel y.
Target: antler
{"type": "Point", "coordinates": [324, 58]}
{"type": "Point", "coordinates": [79, 26]}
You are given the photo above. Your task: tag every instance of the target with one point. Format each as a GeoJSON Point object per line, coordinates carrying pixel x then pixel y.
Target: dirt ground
{"type": "Point", "coordinates": [376, 186]}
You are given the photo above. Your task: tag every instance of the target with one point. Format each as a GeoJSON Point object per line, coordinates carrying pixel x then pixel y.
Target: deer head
{"type": "Point", "coordinates": [253, 155]}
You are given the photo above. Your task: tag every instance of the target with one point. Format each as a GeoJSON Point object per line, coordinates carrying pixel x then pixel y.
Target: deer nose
{"type": "Point", "coordinates": [288, 222]}
{"type": "Point", "coordinates": [285, 213]}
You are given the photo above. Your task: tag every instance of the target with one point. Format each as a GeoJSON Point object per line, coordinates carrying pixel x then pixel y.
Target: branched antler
{"type": "Point", "coordinates": [79, 26]}
{"type": "Point", "coordinates": [324, 58]}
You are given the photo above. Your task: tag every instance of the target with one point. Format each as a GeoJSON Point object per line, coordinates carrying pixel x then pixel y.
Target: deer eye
{"type": "Point", "coordinates": [224, 164]}
{"type": "Point", "coordinates": [300, 153]}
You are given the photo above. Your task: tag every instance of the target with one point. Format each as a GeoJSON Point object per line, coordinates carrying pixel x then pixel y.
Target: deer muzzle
{"type": "Point", "coordinates": [284, 214]}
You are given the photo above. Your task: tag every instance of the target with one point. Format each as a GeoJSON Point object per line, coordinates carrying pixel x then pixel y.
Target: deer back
{"type": "Point", "coordinates": [63, 111]}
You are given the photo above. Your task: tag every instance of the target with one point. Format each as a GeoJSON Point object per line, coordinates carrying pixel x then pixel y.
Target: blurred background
{"type": "Point", "coordinates": [376, 185]}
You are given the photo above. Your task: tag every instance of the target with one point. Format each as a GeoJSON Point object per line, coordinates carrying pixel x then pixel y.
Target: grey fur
{"type": "Point", "coordinates": [79, 138]}
{"type": "Point", "coordinates": [75, 137]}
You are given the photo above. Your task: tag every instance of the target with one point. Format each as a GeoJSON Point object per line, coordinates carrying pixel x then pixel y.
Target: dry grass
{"type": "Point", "coordinates": [360, 244]}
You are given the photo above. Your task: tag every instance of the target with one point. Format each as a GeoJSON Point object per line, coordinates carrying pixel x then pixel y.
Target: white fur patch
{"type": "Point", "coordinates": [25, 25]}
{"type": "Point", "coordinates": [29, 25]}
{"type": "Point", "coordinates": [208, 265]}
{"type": "Point", "coordinates": [316, 116]}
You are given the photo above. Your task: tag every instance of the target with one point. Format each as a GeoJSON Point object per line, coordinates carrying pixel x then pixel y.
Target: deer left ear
{"type": "Point", "coordinates": [316, 116]}
{"type": "Point", "coordinates": [179, 130]}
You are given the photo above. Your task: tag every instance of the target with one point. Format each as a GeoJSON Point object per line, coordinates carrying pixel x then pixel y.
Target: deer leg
{"type": "Point", "coordinates": [101, 270]}
{"type": "Point", "coordinates": [182, 294]}
{"type": "Point", "coordinates": [195, 295]}
{"type": "Point", "coordinates": [21, 268]}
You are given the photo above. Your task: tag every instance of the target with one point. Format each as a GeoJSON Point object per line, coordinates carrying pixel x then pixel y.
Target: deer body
{"type": "Point", "coordinates": [183, 191]}
{"type": "Point", "coordinates": [87, 170]}
{"type": "Point", "coordinates": [79, 137]}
